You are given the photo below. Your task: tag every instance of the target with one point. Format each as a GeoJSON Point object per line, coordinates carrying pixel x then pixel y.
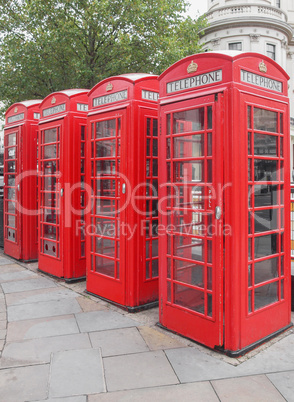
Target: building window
{"type": "Point", "coordinates": [278, 3]}
{"type": "Point", "coordinates": [235, 46]}
{"type": "Point", "coordinates": [271, 51]}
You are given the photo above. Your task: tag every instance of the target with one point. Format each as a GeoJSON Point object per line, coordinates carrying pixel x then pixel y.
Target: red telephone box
{"type": "Point", "coordinates": [62, 137]}
{"type": "Point", "coordinates": [122, 246]}
{"type": "Point", "coordinates": [20, 178]}
{"type": "Point", "coordinates": [224, 200]}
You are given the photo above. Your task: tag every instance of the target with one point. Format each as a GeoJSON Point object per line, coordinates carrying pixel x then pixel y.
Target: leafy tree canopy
{"type": "Point", "coordinates": [51, 45]}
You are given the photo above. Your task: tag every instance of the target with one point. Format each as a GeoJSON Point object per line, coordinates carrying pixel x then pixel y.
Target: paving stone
{"type": "Point", "coordinates": [118, 341]}
{"type": "Point", "coordinates": [2, 306]}
{"type": "Point", "coordinates": [156, 340]}
{"type": "Point", "coordinates": [80, 398]}
{"type": "Point", "coordinates": [277, 357]}
{"type": "Point", "coordinates": [247, 389]}
{"type": "Point", "coordinates": [43, 309]}
{"type": "Point", "coordinates": [30, 284]}
{"type": "Point", "coordinates": [15, 276]}
{"type": "Point", "coordinates": [40, 295]}
{"type": "Point", "coordinates": [24, 383]}
{"type": "Point", "coordinates": [3, 316]}
{"type": "Point", "coordinates": [148, 369]}
{"type": "Point", "coordinates": [41, 328]}
{"type": "Point", "coordinates": [200, 392]}
{"type": "Point", "coordinates": [284, 382]}
{"type": "Point", "coordinates": [5, 261]}
{"type": "Point", "coordinates": [191, 364]}
{"type": "Point", "coordinates": [89, 305]}
{"type": "Point", "coordinates": [38, 350]}
{"type": "Point", "coordinates": [2, 333]}
{"type": "Point", "coordinates": [3, 324]}
{"type": "Point", "coordinates": [11, 268]}
{"type": "Point", "coordinates": [76, 372]}
{"type": "Point", "coordinates": [103, 320]}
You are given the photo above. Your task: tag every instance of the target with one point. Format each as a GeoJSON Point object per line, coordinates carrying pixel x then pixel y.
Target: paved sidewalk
{"type": "Point", "coordinates": [59, 344]}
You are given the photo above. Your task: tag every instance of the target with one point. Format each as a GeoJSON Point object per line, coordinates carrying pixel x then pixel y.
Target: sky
{"type": "Point", "coordinates": [197, 5]}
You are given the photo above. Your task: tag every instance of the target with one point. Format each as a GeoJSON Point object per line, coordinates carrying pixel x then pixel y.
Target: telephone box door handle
{"type": "Point", "coordinates": [18, 187]}
{"type": "Point", "coordinates": [218, 213]}
{"type": "Point", "coordinates": [61, 192]}
{"type": "Point", "coordinates": [124, 188]}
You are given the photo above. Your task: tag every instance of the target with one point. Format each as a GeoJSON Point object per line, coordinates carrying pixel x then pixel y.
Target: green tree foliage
{"type": "Point", "coordinates": [52, 45]}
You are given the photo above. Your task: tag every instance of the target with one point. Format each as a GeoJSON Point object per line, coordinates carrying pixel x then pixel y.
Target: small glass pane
{"type": "Point", "coordinates": [249, 249]}
{"type": "Point", "coordinates": [105, 266]}
{"type": "Point", "coordinates": [209, 171]}
{"type": "Point", "coordinates": [11, 220]}
{"type": "Point", "coordinates": [249, 116]}
{"type": "Point", "coordinates": [11, 153]}
{"type": "Point", "coordinates": [250, 301]}
{"type": "Point", "coordinates": [106, 128]}
{"type": "Point", "coordinates": [249, 144]}
{"type": "Point", "coordinates": [249, 169]}
{"type": "Point", "coordinates": [265, 195]}
{"type": "Point", "coordinates": [188, 120]}
{"type": "Point", "coordinates": [187, 272]}
{"type": "Point", "coordinates": [209, 144]}
{"type": "Point", "coordinates": [11, 166]}
{"type": "Point", "coordinates": [105, 148]}
{"type": "Point", "coordinates": [265, 145]}
{"type": "Point", "coordinates": [148, 132]}
{"type": "Point", "coordinates": [191, 146]}
{"type": "Point", "coordinates": [11, 139]}
{"type": "Point", "coordinates": [265, 170]}
{"type": "Point", "coordinates": [265, 245]}
{"type": "Point", "coordinates": [50, 135]}
{"type": "Point", "coordinates": [192, 299]}
{"type": "Point", "coordinates": [265, 270]}
{"type": "Point", "coordinates": [249, 275]}
{"type": "Point", "coordinates": [147, 270]}
{"type": "Point", "coordinates": [155, 128]}
{"type": "Point", "coordinates": [50, 152]}
{"type": "Point", "coordinates": [49, 232]}
{"type": "Point", "coordinates": [209, 305]}
{"type": "Point", "coordinates": [188, 172]}
{"type": "Point", "coordinates": [209, 278]}
{"type": "Point", "coordinates": [266, 220]}
{"type": "Point", "coordinates": [265, 295]}
{"type": "Point", "coordinates": [189, 248]}
{"type": "Point", "coordinates": [265, 120]}
{"type": "Point", "coordinates": [209, 117]}
{"type": "Point", "coordinates": [281, 124]}
{"type": "Point", "coordinates": [209, 251]}
{"type": "Point", "coordinates": [154, 268]}
{"type": "Point", "coordinates": [155, 248]}
{"type": "Point", "coordinates": [282, 289]}
{"type": "Point", "coordinates": [168, 124]}
{"type": "Point", "coordinates": [155, 147]}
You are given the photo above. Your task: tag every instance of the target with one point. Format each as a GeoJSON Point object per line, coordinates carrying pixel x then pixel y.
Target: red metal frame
{"type": "Point", "coordinates": [20, 178]}
{"type": "Point", "coordinates": [122, 246]}
{"type": "Point", "coordinates": [250, 292]}
{"type": "Point", "coordinates": [62, 198]}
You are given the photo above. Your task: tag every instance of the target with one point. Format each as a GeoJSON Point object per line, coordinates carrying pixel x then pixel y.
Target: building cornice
{"type": "Point", "coordinates": [240, 22]}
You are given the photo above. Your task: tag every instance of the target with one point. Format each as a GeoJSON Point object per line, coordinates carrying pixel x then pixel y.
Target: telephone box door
{"type": "Point", "coordinates": [50, 195]}
{"type": "Point", "coordinates": [191, 255]}
{"type": "Point", "coordinates": [266, 283]}
{"type": "Point", "coordinates": [109, 199]}
{"type": "Point", "coordinates": [12, 193]}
